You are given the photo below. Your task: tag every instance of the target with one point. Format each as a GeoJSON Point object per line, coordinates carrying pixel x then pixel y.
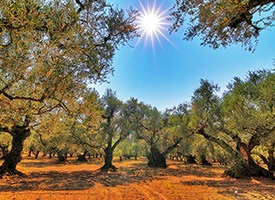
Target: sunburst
{"type": "Point", "coordinates": [152, 23]}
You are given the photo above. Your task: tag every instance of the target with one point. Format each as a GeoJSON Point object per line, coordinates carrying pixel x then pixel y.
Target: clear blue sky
{"type": "Point", "coordinates": [168, 75]}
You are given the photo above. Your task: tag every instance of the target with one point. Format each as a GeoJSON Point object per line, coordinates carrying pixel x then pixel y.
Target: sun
{"type": "Point", "coordinates": [152, 23]}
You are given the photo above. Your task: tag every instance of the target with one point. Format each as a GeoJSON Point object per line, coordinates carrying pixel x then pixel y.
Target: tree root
{"type": "Point", "coordinates": [245, 171]}
{"type": "Point", "coordinates": [9, 172]}
{"type": "Point", "coordinates": [106, 168]}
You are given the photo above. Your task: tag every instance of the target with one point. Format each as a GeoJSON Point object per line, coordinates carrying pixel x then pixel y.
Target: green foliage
{"type": "Point", "coordinates": [205, 106]}
{"type": "Point", "coordinates": [50, 50]}
{"type": "Point", "coordinates": [248, 107]}
{"type": "Point", "coordinates": [153, 127]}
{"type": "Point", "coordinates": [223, 22]}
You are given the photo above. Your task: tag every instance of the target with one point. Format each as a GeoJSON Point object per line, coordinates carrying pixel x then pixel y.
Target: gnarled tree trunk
{"type": "Point", "coordinates": [62, 156]}
{"type": "Point", "coordinates": [13, 157]}
{"type": "Point", "coordinates": [82, 157]}
{"type": "Point", "coordinates": [156, 159]}
{"type": "Point", "coordinates": [245, 166]}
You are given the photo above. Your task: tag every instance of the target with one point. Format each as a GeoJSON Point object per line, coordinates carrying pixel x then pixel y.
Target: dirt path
{"type": "Point", "coordinates": [134, 180]}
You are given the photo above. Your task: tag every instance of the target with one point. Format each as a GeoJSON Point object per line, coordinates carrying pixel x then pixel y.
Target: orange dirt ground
{"type": "Point", "coordinates": [134, 180]}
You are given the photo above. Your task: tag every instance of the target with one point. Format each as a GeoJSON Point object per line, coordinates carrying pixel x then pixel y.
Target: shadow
{"type": "Point", "coordinates": [53, 162]}
{"type": "Point", "coordinates": [128, 172]}
{"type": "Point", "coordinates": [227, 185]}
{"type": "Point", "coordinates": [76, 180]}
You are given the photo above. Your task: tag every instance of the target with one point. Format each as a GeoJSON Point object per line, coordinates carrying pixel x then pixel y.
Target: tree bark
{"type": "Point", "coordinates": [271, 160]}
{"type": "Point", "coordinates": [13, 157]}
{"type": "Point", "coordinates": [62, 156]}
{"type": "Point", "coordinates": [245, 166]}
{"type": "Point", "coordinates": [109, 151]}
{"type": "Point", "coordinates": [156, 159]}
{"type": "Point", "coordinates": [191, 159]}
{"type": "Point", "coordinates": [82, 157]}
{"type": "Point", "coordinates": [203, 160]}
{"type": "Point", "coordinates": [36, 154]}
{"type": "Point", "coordinates": [108, 160]}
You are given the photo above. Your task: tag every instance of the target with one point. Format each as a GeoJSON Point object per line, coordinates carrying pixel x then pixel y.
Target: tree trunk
{"type": "Point", "coordinates": [245, 166]}
{"type": "Point", "coordinates": [13, 157]}
{"type": "Point", "coordinates": [30, 153]}
{"type": "Point", "coordinates": [156, 159]}
{"type": "Point", "coordinates": [82, 157]}
{"type": "Point", "coordinates": [36, 154]}
{"type": "Point", "coordinates": [191, 159]}
{"type": "Point", "coordinates": [203, 160]}
{"type": "Point", "coordinates": [108, 160]}
{"type": "Point", "coordinates": [50, 155]}
{"type": "Point", "coordinates": [271, 160]}
{"type": "Point", "coordinates": [62, 156]}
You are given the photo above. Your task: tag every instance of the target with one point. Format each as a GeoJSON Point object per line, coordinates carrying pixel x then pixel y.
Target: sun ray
{"type": "Point", "coordinates": [152, 23]}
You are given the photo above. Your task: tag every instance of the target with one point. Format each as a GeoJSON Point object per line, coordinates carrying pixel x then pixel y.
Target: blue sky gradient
{"type": "Point", "coordinates": [168, 74]}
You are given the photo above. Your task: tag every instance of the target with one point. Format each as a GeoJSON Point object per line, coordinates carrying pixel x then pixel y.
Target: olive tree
{"type": "Point", "coordinates": [49, 51]}
{"type": "Point", "coordinates": [223, 22]}
{"type": "Point", "coordinates": [152, 126]}
{"type": "Point", "coordinates": [236, 122]}
{"type": "Point", "coordinates": [114, 126]}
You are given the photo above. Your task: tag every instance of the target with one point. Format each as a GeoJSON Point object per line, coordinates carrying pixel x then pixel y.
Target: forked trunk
{"type": "Point", "coordinates": [245, 166]}
{"type": "Point", "coordinates": [82, 157]}
{"type": "Point", "coordinates": [156, 159]}
{"type": "Point", "coordinates": [13, 157]}
{"type": "Point", "coordinates": [62, 156]}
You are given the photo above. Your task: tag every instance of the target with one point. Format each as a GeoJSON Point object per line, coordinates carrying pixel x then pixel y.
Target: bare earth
{"type": "Point", "coordinates": [133, 180]}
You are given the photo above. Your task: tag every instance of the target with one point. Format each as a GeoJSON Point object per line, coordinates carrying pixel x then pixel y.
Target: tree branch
{"type": "Point", "coordinates": [170, 148]}
{"type": "Point", "coordinates": [218, 141]}
{"type": "Point", "coordinates": [10, 97]}
{"type": "Point", "coordinates": [116, 143]}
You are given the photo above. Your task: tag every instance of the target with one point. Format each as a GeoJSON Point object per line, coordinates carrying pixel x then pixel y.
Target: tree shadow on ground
{"type": "Point", "coordinates": [131, 172]}
{"type": "Point", "coordinates": [53, 162]}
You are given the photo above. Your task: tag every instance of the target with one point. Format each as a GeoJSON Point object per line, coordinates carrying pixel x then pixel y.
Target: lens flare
{"type": "Point", "coordinates": [152, 23]}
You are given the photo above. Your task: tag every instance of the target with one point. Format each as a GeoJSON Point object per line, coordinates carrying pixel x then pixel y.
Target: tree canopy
{"type": "Point", "coordinates": [49, 51]}
{"type": "Point", "coordinates": [223, 22]}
